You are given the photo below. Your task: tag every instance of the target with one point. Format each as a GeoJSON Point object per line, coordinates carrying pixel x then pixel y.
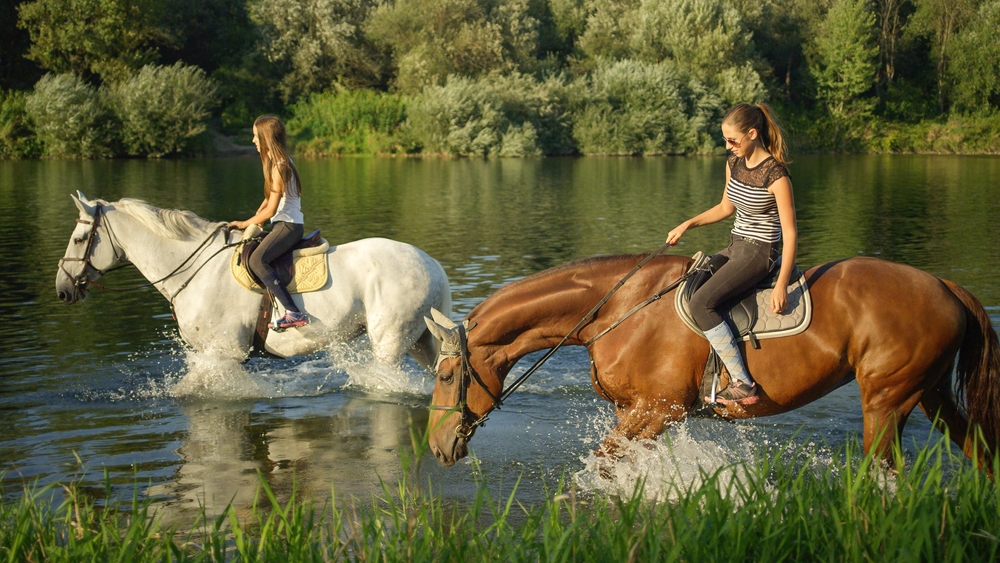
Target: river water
{"type": "Point", "coordinates": [90, 388]}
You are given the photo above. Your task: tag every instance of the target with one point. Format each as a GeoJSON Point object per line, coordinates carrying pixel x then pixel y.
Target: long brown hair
{"type": "Point", "coordinates": [274, 154]}
{"type": "Point", "coordinates": [762, 118]}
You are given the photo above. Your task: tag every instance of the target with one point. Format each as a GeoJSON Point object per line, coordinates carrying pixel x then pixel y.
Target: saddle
{"type": "Point", "coordinates": [301, 270]}
{"type": "Point", "coordinates": [749, 315]}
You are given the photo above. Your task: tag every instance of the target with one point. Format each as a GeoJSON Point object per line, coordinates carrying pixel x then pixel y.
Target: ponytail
{"type": "Point", "coordinates": [762, 118]}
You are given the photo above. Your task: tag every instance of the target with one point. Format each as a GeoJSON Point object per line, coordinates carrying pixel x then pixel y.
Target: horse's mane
{"type": "Point", "coordinates": [169, 223]}
{"type": "Point", "coordinates": [592, 262]}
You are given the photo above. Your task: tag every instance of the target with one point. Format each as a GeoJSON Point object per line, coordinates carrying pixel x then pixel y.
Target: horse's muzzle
{"type": "Point", "coordinates": [69, 292]}
{"type": "Point", "coordinates": [453, 450]}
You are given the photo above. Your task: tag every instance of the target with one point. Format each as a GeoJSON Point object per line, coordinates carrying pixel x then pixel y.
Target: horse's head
{"type": "Point", "coordinates": [466, 390]}
{"type": "Point", "coordinates": [89, 253]}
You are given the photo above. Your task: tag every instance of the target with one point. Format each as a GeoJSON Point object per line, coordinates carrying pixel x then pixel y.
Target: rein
{"type": "Point", "coordinates": [81, 281]}
{"type": "Point", "coordinates": [464, 429]}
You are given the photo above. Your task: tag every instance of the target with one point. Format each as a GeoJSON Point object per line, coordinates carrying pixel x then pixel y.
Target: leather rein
{"type": "Point", "coordinates": [81, 281]}
{"type": "Point", "coordinates": [468, 375]}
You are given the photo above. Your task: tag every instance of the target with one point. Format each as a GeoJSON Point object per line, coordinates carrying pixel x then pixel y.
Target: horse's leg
{"type": "Point", "coordinates": [391, 338]}
{"type": "Point", "coordinates": [424, 350]}
{"type": "Point", "coordinates": [885, 415]}
{"type": "Point", "coordinates": [644, 420]}
{"type": "Point", "coordinates": [887, 400]}
{"type": "Point", "coordinates": [939, 406]}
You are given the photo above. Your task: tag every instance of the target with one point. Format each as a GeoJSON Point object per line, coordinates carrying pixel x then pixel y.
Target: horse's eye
{"type": "Point", "coordinates": [447, 377]}
{"type": "Point", "coordinates": [79, 240]}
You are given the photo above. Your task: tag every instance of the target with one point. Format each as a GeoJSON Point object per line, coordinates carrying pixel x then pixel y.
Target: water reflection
{"type": "Point", "coordinates": [314, 448]}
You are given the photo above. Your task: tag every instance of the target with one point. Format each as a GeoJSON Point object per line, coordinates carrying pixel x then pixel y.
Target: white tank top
{"type": "Point", "coordinates": [290, 206]}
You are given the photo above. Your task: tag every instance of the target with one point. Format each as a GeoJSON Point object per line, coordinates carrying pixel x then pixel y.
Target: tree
{"type": "Point", "coordinates": [844, 55]}
{"type": "Point", "coordinates": [320, 42]}
{"type": "Point", "coordinates": [107, 38]}
{"type": "Point", "coordinates": [975, 64]}
{"type": "Point", "coordinates": [703, 38]}
{"type": "Point", "coordinates": [432, 39]}
{"type": "Point", "coordinates": [890, 18]}
{"type": "Point", "coordinates": [940, 21]}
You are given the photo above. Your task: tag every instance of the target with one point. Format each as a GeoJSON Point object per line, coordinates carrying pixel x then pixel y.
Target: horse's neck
{"type": "Point", "coordinates": [539, 311]}
{"type": "Point", "coordinates": [533, 314]}
{"type": "Point", "coordinates": [156, 256]}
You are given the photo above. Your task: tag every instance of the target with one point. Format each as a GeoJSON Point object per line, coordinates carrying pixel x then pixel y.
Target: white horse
{"type": "Point", "coordinates": [376, 285]}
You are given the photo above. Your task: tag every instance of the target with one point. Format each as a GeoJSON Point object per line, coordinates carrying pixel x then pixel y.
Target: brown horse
{"type": "Point", "coordinates": [894, 329]}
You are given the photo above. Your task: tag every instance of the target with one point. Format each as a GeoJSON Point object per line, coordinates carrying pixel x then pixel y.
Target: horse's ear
{"type": "Point", "coordinates": [441, 333]}
{"type": "Point", "coordinates": [442, 319]}
{"type": "Point", "coordinates": [82, 204]}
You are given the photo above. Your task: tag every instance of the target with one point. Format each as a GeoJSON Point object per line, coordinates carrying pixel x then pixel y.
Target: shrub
{"type": "Point", "coordinates": [70, 117]}
{"type": "Point", "coordinates": [348, 122]}
{"type": "Point", "coordinates": [515, 115]}
{"type": "Point", "coordinates": [16, 139]}
{"type": "Point", "coordinates": [632, 107]}
{"type": "Point", "coordinates": [163, 109]}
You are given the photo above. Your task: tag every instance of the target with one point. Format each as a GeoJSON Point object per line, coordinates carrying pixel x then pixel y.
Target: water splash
{"type": "Point", "coordinates": [349, 365]}
{"type": "Point", "coordinates": [682, 458]}
{"type": "Point", "coordinates": [219, 376]}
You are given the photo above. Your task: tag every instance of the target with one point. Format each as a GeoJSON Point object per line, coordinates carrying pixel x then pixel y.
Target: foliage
{"type": "Point", "coordinates": [320, 42]}
{"type": "Point", "coordinates": [957, 134]}
{"type": "Point", "coordinates": [348, 122]}
{"type": "Point", "coordinates": [632, 107]}
{"type": "Point", "coordinates": [433, 39]}
{"type": "Point", "coordinates": [162, 109]}
{"type": "Point", "coordinates": [844, 64]}
{"type": "Point", "coordinates": [975, 68]}
{"type": "Point", "coordinates": [849, 71]}
{"type": "Point", "coordinates": [107, 38]}
{"type": "Point", "coordinates": [514, 115]}
{"type": "Point", "coordinates": [939, 22]}
{"type": "Point", "coordinates": [70, 117]}
{"type": "Point", "coordinates": [706, 39]}
{"type": "Point", "coordinates": [794, 508]}
{"type": "Point", "coordinates": [16, 140]}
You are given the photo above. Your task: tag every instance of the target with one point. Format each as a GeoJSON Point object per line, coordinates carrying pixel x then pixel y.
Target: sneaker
{"type": "Point", "coordinates": [739, 393]}
{"type": "Point", "coordinates": [290, 320]}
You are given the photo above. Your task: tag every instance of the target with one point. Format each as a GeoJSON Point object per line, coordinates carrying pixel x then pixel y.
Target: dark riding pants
{"type": "Point", "coordinates": [749, 262]}
{"type": "Point", "coordinates": [283, 237]}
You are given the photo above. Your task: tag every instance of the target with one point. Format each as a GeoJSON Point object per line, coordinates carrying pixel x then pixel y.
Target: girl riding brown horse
{"type": "Point", "coordinates": [892, 328]}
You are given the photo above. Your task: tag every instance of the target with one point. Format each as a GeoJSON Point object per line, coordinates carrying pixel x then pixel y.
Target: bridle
{"type": "Point", "coordinates": [468, 375]}
{"type": "Point", "coordinates": [81, 281]}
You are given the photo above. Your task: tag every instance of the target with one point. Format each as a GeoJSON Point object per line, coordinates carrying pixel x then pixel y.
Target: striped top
{"type": "Point", "coordinates": [756, 208]}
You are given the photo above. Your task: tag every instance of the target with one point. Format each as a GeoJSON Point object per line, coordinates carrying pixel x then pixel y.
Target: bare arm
{"type": "Point", "coordinates": [782, 190]}
{"type": "Point", "coordinates": [724, 209]}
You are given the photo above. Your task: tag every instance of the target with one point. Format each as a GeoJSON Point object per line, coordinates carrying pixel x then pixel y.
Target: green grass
{"type": "Point", "coordinates": [937, 509]}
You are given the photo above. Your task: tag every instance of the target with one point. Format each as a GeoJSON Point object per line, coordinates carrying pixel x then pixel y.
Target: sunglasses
{"type": "Point", "coordinates": [734, 143]}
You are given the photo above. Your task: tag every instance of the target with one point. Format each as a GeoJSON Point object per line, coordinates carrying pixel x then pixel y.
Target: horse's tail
{"type": "Point", "coordinates": [978, 372]}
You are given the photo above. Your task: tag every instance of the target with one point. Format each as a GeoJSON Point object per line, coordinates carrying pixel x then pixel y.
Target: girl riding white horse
{"type": "Point", "coordinates": [376, 285]}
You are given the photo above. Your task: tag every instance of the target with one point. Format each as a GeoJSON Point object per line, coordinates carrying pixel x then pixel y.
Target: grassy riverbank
{"type": "Point", "coordinates": [937, 509]}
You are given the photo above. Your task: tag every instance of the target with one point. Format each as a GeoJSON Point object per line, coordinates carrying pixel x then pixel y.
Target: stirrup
{"type": "Point", "coordinates": [738, 392]}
